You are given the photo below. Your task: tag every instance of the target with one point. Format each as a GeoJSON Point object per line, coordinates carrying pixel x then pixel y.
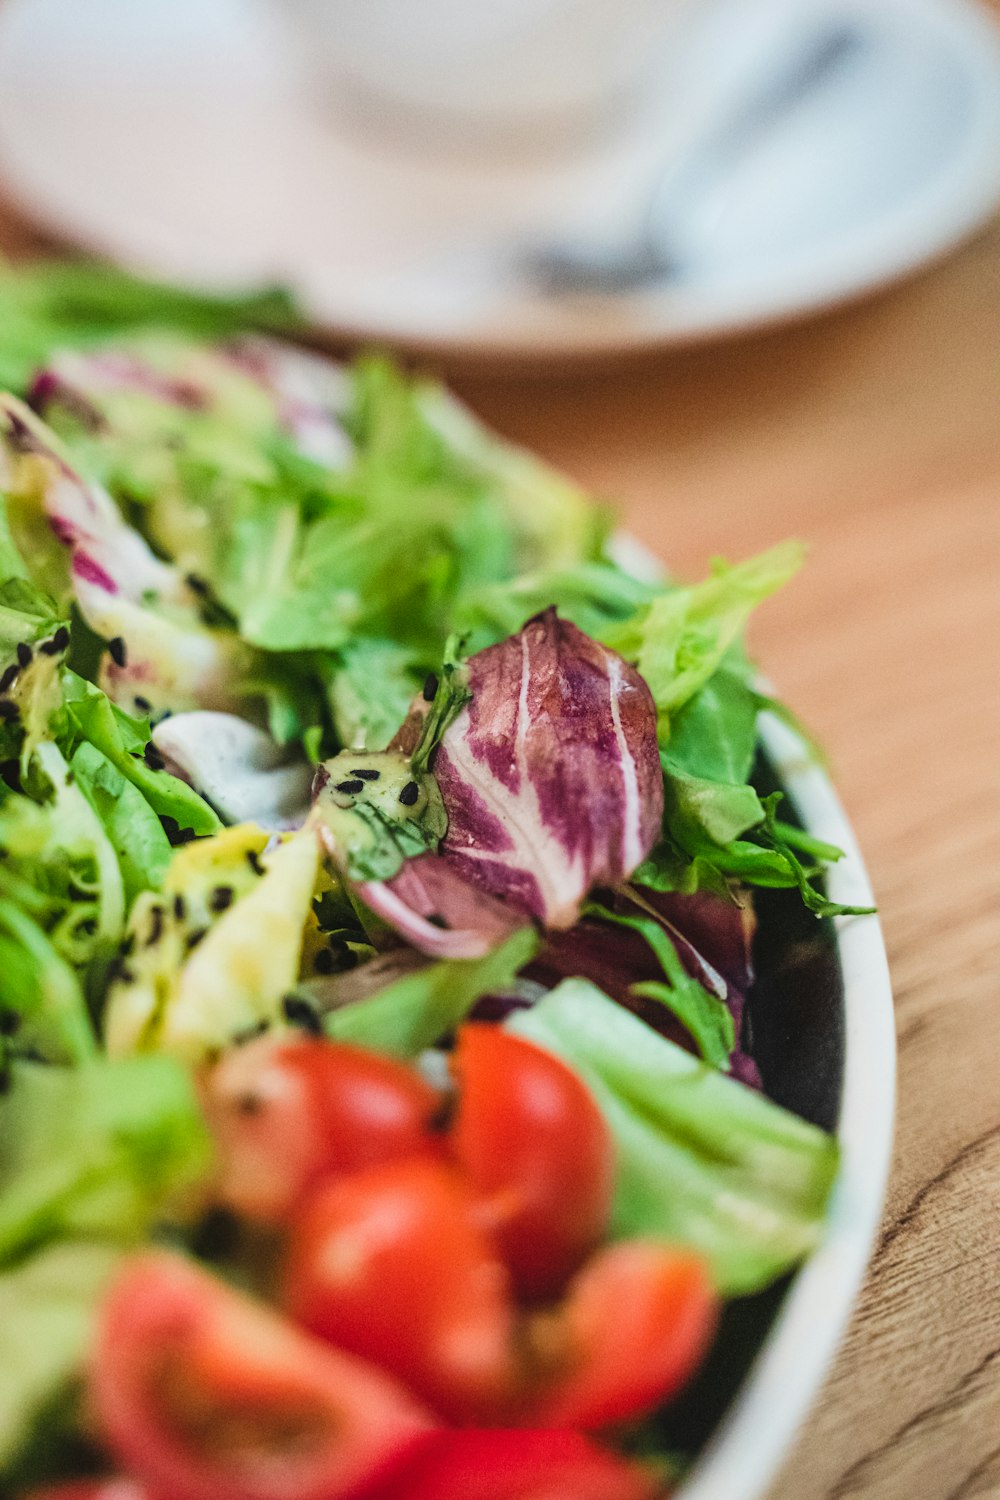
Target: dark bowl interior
{"type": "Point", "coordinates": [795, 1031]}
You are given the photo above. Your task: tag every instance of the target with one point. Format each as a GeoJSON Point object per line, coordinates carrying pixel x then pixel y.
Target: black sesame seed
{"type": "Point", "coordinates": [153, 758]}
{"type": "Point", "coordinates": [436, 920]}
{"type": "Point", "coordinates": [155, 926]}
{"type": "Point", "coordinates": [349, 788]}
{"type": "Point", "coordinates": [88, 927]}
{"type": "Point", "coordinates": [8, 710]}
{"type": "Point", "coordinates": [128, 945]}
{"type": "Point", "coordinates": [9, 678]}
{"type": "Point", "coordinates": [326, 961]}
{"type": "Point", "coordinates": [58, 643]}
{"type": "Point", "coordinates": [300, 1013]}
{"type": "Point", "coordinates": [117, 651]}
{"type": "Point", "coordinates": [142, 704]}
{"type": "Point", "coordinates": [366, 773]}
{"type": "Point", "coordinates": [253, 860]}
{"type": "Point", "coordinates": [196, 585]}
{"type": "Point", "coordinates": [125, 975]}
{"type": "Point", "coordinates": [430, 687]}
{"type": "Point", "coordinates": [70, 778]}
{"type": "Point", "coordinates": [180, 908]}
{"type": "Point", "coordinates": [10, 1021]}
{"type": "Point", "coordinates": [217, 1236]}
{"type": "Point", "coordinates": [10, 773]}
{"type": "Point", "coordinates": [409, 794]}
{"type": "Point", "coordinates": [194, 938]}
{"type": "Point", "coordinates": [24, 654]}
{"type": "Point", "coordinates": [221, 897]}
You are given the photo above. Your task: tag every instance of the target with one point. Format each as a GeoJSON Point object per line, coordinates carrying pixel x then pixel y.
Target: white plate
{"type": "Point", "coordinates": [757, 1431]}
{"type": "Point", "coordinates": [173, 137]}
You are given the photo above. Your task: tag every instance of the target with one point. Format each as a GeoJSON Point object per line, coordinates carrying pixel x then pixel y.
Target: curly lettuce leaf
{"type": "Point", "coordinates": [680, 640]}
{"type": "Point", "coordinates": [702, 1160]}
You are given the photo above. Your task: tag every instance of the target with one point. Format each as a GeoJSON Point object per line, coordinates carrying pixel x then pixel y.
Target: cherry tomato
{"type": "Point", "coordinates": [512, 1465]}
{"type": "Point", "coordinates": [391, 1264]}
{"type": "Point", "coordinates": [534, 1144]}
{"type": "Point", "coordinates": [289, 1114]}
{"type": "Point", "coordinates": [204, 1395]}
{"type": "Point", "coordinates": [634, 1327]}
{"type": "Point", "coordinates": [113, 1487]}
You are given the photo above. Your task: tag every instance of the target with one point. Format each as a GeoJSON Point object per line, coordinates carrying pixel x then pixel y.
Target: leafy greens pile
{"type": "Point", "coordinates": [534, 794]}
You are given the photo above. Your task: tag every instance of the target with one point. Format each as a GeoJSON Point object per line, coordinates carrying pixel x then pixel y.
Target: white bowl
{"type": "Point", "coordinates": [757, 1431]}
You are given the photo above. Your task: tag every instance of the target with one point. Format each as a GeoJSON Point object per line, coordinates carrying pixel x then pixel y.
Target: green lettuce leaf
{"type": "Point", "coordinates": [50, 304]}
{"type": "Point", "coordinates": [417, 1010]}
{"type": "Point", "coordinates": [122, 740]}
{"type": "Point", "coordinates": [704, 1016]}
{"type": "Point", "coordinates": [681, 639]}
{"type": "Point", "coordinates": [702, 1161]}
{"type": "Point", "coordinates": [90, 1157]}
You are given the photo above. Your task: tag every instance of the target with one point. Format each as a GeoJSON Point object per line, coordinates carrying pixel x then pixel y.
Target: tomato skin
{"type": "Point", "coordinates": [391, 1265]}
{"type": "Point", "coordinates": [287, 1114]}
{"type": "Point", "coordinates": [113, 1487]}
{"type": "Point", "coordinates": [513, 1465]}
{"type": "Point", "coordinates": [534, 1145]}
{"type": "Point", "coordinates": [205, 1395]}
{"type": "Point", "coordinates": [635, 1325]}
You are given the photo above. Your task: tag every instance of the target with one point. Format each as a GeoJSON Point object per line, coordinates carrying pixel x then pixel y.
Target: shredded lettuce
{"type": "Point", "coordinates": [702, 1160]}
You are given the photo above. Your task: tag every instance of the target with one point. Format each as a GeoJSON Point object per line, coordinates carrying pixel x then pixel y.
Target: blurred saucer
{"type": "Point", "coordinates": [173, 137]}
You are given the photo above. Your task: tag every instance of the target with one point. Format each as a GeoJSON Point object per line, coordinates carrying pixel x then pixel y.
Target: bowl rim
{"type": "Point", "coordinates": [757, 1431]}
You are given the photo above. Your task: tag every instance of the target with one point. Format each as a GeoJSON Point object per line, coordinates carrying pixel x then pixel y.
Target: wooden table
{"type": "Point", "coordinates": [874, 433]}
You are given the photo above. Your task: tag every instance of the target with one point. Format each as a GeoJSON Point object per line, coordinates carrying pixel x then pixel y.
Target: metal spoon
{"type": "Point", "coordinates": [587, 264]}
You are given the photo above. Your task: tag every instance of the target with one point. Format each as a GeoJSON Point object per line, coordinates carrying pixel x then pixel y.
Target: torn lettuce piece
{"type": "Point", "coordinates": [91, 1157]}
{"type": "Point", "coordinates": [95, 1151]}
{"type": "Point", "coordinates": [702, 1161]}
{"type": "Point", "coordinates": [42, 990]}
{"type": "Point", "coordinates": [134, 831]}
{"type": "Point", "coordinates": [703, 1014]}
{"type": "Point", "coordinates": [369, 686]}
{"type": "Point", "coordinates": [420, 1008]}
{"type": "Point", "coordinates": [123, 739]}
{"type": "Point", "coordinates": [213, 958]}
{"type": "Point", "coordinates": [593, 595]}
{"type": "Point", "coordinates": [63, 304]}
{"type": "Point", "coordinates": [682, 637]}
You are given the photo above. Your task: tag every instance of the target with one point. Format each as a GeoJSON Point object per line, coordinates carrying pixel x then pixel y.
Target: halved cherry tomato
{"type": "Point", "coordinates": [289, 1114]}
{"type": "Point", "coordinates": [113, 1487]}
{"type": "Point", "coordinates": [391, 1264]}
{"type": "Point", "coordinates": [534, 1145]}
{"type": "Point", "coordinates": [514, 1465]}
{"type": "Point", "coordinates": [634, 1327]}
{"type": "Point", "coordinates": [206, 1395]}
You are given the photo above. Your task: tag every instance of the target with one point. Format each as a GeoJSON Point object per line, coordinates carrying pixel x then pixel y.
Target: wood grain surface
{"type": "Point", "coordinates": [873, 433]}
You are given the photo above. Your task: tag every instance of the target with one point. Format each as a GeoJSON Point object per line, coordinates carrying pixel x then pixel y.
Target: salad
{"type": "Point", "coordinates": [379, 1113]}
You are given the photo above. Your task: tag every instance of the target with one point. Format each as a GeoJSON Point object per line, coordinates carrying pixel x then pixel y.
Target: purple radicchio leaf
{"type": "Point", "coordinates": [713, 940]}
{"type": "Point", "coordinates": [551, 779]}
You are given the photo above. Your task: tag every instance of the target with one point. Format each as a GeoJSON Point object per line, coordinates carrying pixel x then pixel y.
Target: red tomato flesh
{"type": "Point", "coordinates": [635, 1325]}
{"type": "Point", "coordinates": [534, 1145]}
{"type": "Point", "coordinates": [510, 1465]}
{"type": "Point", "coordinates": [205, 1395]}
{"type": "Point", "coordinates": [287, 1115]}
{"type": "Point", "coordinates": [391, 1265]}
